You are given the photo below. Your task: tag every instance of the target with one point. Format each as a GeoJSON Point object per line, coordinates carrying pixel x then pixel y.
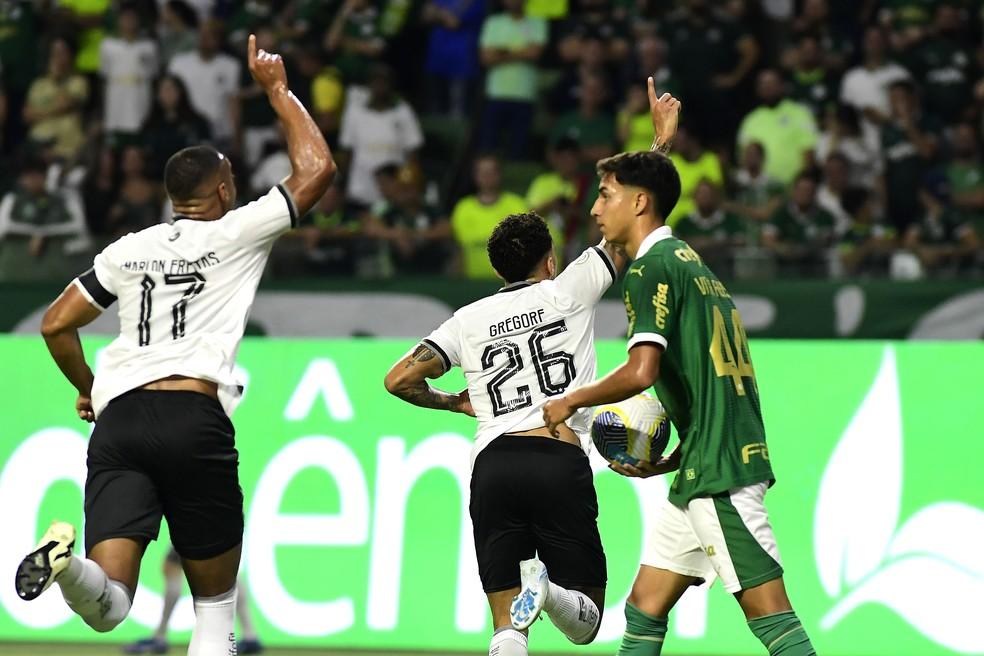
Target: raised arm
{"type": "Point", "coordinates": [311, 163]}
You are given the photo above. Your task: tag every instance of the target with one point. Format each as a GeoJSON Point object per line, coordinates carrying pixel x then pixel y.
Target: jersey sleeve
{"type": "Point", "coordinates": [446, 342]}
{"type": "Point", "coordinates": [99, 284]}
{"type": "Point", "coordinates": [264, 219]}
{"type": "Point", "coordinates": [588, 277]}
{"type": "Point", "coordinates": [650, 303]}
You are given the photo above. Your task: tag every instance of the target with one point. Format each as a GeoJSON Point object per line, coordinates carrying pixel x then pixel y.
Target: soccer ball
{"type": "Point", "coordinates": [631, 430]}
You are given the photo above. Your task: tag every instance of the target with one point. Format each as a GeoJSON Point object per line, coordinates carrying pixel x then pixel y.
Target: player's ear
{"type": "Point", "coordinates": [551, 264]}
{"type": "Point", "coordinates": [640, 202]}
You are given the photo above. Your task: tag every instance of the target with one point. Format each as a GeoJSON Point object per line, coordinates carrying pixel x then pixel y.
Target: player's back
{"type": "Point", "coordinates": [184, 292]}
{"type": "Point", "coordinates": [706, 379]}
{"type": "Point", "coordinates": [525, 344]}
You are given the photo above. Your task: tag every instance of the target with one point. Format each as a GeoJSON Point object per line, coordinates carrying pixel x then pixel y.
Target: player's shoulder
{"type": "Point", "coordinates": [140, 239]}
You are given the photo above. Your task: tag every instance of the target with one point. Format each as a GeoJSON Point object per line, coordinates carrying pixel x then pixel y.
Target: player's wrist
{"type": "Point", "coordinates": [278, 88]}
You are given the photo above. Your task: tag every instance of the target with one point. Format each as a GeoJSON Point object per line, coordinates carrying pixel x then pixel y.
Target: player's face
{"type": "Point", "coordinates": [613, 210]}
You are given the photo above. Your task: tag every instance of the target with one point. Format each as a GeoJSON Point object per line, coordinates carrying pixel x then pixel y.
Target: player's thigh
{"type": "Point", "coordinates": [563, 511]}
{"type": "Point", "coordinates": [120, 559]}
{"type": "Point", "coordinates": [734, 530]}
{"type": "Point", "coordinates": [199, 476]}
{"type": "Point", "coordinates": [499, 603]}
{"type": "Point", "coordinates": [500, 526]}
{"type": "Point", "coordinates": [656, 591]}
{"type": "Point", "coordinates": [213, 576]}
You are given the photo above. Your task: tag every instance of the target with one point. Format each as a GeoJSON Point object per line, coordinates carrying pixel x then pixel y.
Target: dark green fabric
{"type": "Point", "coordinates": [644, 634]}
{"type": "Point", "coordinates": [782, 634]}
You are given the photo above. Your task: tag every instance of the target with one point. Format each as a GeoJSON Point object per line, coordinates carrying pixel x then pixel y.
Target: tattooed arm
{"type": "Point", "coordinates": [408, 381]}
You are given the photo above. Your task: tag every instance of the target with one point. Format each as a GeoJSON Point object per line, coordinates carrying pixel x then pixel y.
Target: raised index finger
{"type": "Point", "coordinates": [651, 89]}
{"type": "Point", "coordinates": [251, 50]}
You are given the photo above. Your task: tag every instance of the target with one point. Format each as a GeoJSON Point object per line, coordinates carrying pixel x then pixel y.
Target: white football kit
{"type": "Point", "coordinates": [184, 290]}
{"type": "Point", "coordinates": [525, 344]}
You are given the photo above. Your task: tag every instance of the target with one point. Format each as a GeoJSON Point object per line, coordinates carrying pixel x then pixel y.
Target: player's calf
{"type": "Point", "coordinates": [574, 613]}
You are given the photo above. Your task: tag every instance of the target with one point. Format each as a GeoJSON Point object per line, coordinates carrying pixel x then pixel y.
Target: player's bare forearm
{"type": "Point", "coordinates": [407, 380]}
{"type": "Point", "coordinates": [423, 395]}
{"type": "Point", "coordinates": [620, 384]}
{"type": "Point", "coordinates": [60, 325]}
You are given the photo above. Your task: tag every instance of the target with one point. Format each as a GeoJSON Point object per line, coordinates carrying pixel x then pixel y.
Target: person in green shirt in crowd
{"type": "Point", "coordinates": [800, 232]}
{"type": "Point", "coordinates": [965, 176]}
{"type": "Point", "coordinates": [813, 85]}
{"type": "Point", "coordinates": [475, 217]}
{"type": "Point", "coordinates": [866, 247]}
{"type": "Point", "coordinates": [945, 62]}
{"type": "Point", "coordinates": [591, 125]}
{"type": "Point", "coordinates": [687, 342]}
{"type": "Point", "coordinates": [711, 229]}
{"type": "Point", "coordinates": [417, 235]}
{"type": "Point", "coordinates": [785, 128]}
{"type": "Point", "coordinates": [756, 196]}
{"type": "Point", "coordinates": [693, 163]}
{"type": "Point", "coordinates": [354, 39]}
{"type": "Point", "coordinates": [943, 242]}
{"type": "Point", "coordinates": [909, 146]}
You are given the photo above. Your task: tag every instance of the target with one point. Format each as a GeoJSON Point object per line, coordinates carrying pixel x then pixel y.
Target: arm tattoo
{"type": "Point", "coordinates": [425, 396]}
{"type": "Point", "coordinates": [422, 353]}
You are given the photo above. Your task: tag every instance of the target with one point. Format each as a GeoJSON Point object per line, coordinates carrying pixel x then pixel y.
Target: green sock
{"type": "Point", "coordinates": [643, 633]}
{"type": "Point", "coordinates": [782, 634]}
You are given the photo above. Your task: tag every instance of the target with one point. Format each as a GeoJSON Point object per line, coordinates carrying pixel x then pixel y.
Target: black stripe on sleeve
{"type": "Point", "coordinates": [295, 220]}
{"type": "Point", "coordinates": [99, 294]}
{"type": "Point", "coordinates": [607, 260]}
{"type": "Point", "coordinates": [437, 349]}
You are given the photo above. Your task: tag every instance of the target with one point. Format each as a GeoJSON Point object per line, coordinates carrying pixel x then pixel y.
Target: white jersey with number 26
{"type": "Point", "coordinates": [184, 290]}
{"type": "Point", "coordinates": [525, 344]}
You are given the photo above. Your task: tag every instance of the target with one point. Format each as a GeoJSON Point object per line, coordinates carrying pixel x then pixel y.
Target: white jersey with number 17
{"type": "Point", "coordinates": [184, 290]}
{"type": "Point", "coordinates": [525, 344]}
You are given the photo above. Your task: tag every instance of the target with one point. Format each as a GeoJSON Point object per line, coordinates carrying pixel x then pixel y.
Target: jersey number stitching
{"type": "Point", "coordinates": [734, 362]}
{"type": "Point", "coordinates": [541, 364]}
{"type": "Point", "coordinates": [178, 310]}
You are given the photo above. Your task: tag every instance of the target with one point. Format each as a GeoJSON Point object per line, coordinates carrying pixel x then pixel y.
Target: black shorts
{"type": "Point", "coordinates": [536, 494]}
{"type": "Point", "coordinates": [170, 454]}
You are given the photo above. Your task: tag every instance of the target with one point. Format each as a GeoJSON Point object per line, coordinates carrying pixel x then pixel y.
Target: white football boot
{"type": "Point", "coordinates": [41, 567]}
{"type": "Point", "coordinates": [526, 606]}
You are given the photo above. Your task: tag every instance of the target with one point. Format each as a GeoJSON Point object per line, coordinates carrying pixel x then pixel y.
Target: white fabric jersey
{"type": "Point", "coordinates": [184, 291]}
{"type": "Point", "coordinates": [525, 344]}
{"type": "Point", "coordinates": [211, 84]}
{"type": "Point", "coordinates": [129, 68]}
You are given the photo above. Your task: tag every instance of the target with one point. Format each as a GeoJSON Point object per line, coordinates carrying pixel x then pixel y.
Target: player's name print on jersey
{"type": "Point", "coordinates": [173, 266]}
{"type": "Point", "coordinates": [517, 322]}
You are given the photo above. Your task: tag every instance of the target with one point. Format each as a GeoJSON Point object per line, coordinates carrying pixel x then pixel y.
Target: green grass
{"type": "Point", "coordinates": [61, 649]}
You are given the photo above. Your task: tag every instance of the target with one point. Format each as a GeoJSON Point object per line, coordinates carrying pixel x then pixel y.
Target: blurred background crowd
{"type": "Point", "coordinates": [819, 138]}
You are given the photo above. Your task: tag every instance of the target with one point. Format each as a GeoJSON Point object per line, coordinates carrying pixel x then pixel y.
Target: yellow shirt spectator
{"type": "Point", "coordinates": [473, 223]}
{"type": "Point", "coordinates": [691, 173]}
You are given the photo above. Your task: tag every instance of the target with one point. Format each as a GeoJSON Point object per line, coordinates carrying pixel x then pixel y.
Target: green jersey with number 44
{"type": "Point", "coordinates": [706, 379]}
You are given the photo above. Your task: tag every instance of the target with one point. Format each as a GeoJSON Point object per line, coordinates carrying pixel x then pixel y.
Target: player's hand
{"type": "Point", "coordinates": [645, 469]}
{"type": "Point", "coordinates": [556, 412]}
{"type": "Point", "coordinates": [464, 403]}
{"type": "Point", "coordinates": [665, 112]}
{"type": "Point", "coordinates": [83, 405]}
{"type": "Point", "coordinates": [267, 68]}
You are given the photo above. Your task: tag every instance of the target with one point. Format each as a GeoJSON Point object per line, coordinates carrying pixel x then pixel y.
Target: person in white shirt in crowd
{"type": "Point", "coordinates": [865, 87]}
{"type": "Point", "coordinates": [843, 135]}
{"type": "Point", "coordinates": [129, 64]}
{"type": "Point", "coordinates": [377, 128]}
{"type": "Point", "coordinates": [212, 79]}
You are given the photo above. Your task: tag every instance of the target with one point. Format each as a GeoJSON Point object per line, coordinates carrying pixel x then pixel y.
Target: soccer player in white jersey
{"type": "Point", "coordinates": [163, 444]}
{"type": "Point", "coordinates": [531, 493]}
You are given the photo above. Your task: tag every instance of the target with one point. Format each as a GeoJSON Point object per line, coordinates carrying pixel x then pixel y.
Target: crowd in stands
{"type": "Point", "coordinates": [821, 138]}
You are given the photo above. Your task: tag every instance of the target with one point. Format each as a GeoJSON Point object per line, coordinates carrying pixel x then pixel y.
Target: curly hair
{"type": "Point", "coordinates": [518, 244]}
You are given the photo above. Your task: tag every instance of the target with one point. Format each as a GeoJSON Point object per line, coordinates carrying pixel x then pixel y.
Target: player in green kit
{"type": "Point", "coordinates": [687, 342]}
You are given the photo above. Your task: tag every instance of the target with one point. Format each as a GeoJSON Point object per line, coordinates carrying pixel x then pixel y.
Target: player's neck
{"type": "Point", "coordinates": [638, 236]}
{"type": "Point", "coordinates": [205, 211]}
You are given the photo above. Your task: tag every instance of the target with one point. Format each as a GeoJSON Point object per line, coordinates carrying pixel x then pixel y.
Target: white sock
{"type": "Point", "coordinates": [214, 618]}
{"type": "Point", "coordinates": [507, 641]}
{"type": "Point", "coordinates": [246, 629]}
{"type": "Point", "coordinates": [172, 593]}
{"type": "Point", "coordinates": [573, 612]}
{"type": "Point", "coordinates": [101, 602]}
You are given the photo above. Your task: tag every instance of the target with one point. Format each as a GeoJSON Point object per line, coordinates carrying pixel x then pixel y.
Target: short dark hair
{"type": "Point", "coordinates": [187, 169]}
{"type": "Point", "coordinates": [518, 244]}
{"type": "Point", "coordinates": [906, 85]}
{"type": "Point", "coordinates": [649, 170]}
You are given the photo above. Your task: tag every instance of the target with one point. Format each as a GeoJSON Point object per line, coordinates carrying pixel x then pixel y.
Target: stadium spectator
{"type": "Point", "coordinates": [965, 177]}
{"type": "Point", "coordinates": [590, 125]}
{"type": "Point", "coordinates": [211, 78]}
{"type": "Point", "coordinates": [41, 235]}
{"type": "Point", "coordinates": [99, 189]}
{"type": "Point", "coordinates": [177, 31]}
{"type": "Point", "coordinates": [273, 165]}
{"type": "Point", "coordinates": [452, 53]}
{"type": "Point", "coordinates": [249, 18]}
{"type": "Point", "coordinates": [943, 242]}
{"type": "Point", "coordinates": [85, 20]}
{"type": "Point", "coordinates": [330, 240]}
{"type": "Point", "coordinates": [140, 203]}
{"type": "Point", "coordinates": [800, 232]}
{"type": "Point", "coordinates": [173, 124]}
{"type": "Point", "coordinates": [711, 56]}
{"type": "Point", "coordinates": [866, 246]}
{"type": "Point", "coordinates": [784, 127]}
{"type": "Point", "coordinates": [909, 145]}
{"type": "Point", "coordinates": [568, 89]}
{"type": "Point", "coordinates": [381, 129]}
{"type": "Point", "coordinates": [693, 163]}
{"type": "Point", "coordinates": [842, 134]}
{"type": "Point", "coordinates": [55, 102]}
{"type": "Point", "coordinates": [813, 84]}
{"type": "Point", "coordinates": [651, 61]}
{"type": "Point", "coordinates": [830, 193]}
{"type": "Point", "coordinates": [18, 55]}
{"type": "Point", "coordinates": [475, 217]}
{"type": "Point", "coordinates": [128, 64]}
{"type": "Point", "coordinates": [711, 230]}
{"type": "Point", "coordinates": [417, 236]}
{"type": "Point", "coordinates": [633, 126]}
{"type": "Point", "coordinates": [510, 46]}
{"type": "Point", "coordinates": [865, 87]}
{"type": "Point", "coordinates": [756, 195]}
{"type": "Point", "coordinates": [559, 195]}
{"type": "Point", "coordinates": [594, 19]}
{"type": "Point", "coordinates": [944, 62]}
{"type": "Point", "coordinates": [836, 42]}
{"type": "Point", "coordinates": [256, 119]}
{"type": "Point", "coordinates": [354, 39]}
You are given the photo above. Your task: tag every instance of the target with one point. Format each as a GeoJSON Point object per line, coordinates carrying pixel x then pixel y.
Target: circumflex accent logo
{"type": "Point", "coordinates": [929, 570]}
